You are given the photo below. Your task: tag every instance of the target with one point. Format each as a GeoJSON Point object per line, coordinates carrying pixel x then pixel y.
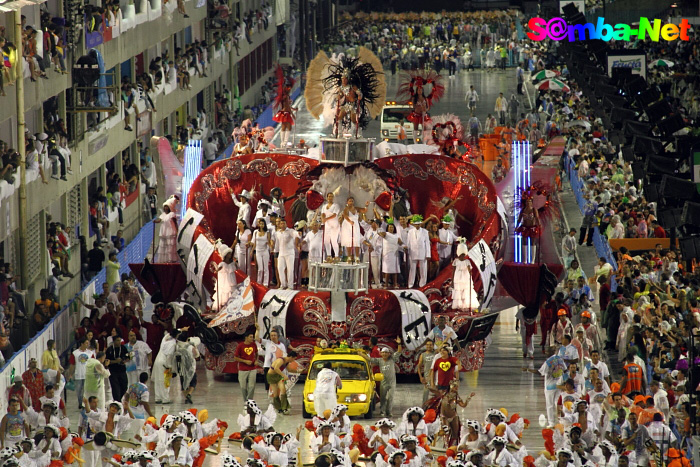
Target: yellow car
{"type": "Point", "coordinates": [358, 381]}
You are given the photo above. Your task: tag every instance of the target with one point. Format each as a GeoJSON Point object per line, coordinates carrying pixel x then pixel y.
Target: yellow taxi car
{"type": "Point", "coordinates": [358, 391]}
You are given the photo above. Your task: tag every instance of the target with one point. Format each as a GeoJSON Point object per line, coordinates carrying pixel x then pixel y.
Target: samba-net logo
{"type": "Point", "coordinates": [557, 29]}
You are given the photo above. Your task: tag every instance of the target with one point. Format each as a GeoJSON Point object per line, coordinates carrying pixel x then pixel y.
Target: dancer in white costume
{"type": "Point", "coordinates": [165, 360]}
{"type": "Point", "coordinates": [350, 236]}
{"type": "Point", "coordinates": [240, 246]}
{"type": "Point", "coordinates": [225, 276]}
{"type": "Point", "coordinates": [390, 253]}
{"type": "Point", "coordinates": [330, 217]}
{"type": "Point", "coordinates": [262, 242]}
{"type": "Point", "coordinates": [167, 241]}
{"type": "Point", "coordinates": [463, 294]}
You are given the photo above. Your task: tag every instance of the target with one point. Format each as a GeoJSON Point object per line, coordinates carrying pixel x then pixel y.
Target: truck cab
{"type": "Point", "coordinates": [392, 116]}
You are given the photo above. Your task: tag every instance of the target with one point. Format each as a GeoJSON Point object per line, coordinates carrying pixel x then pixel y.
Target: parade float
{"type": "Point", "coordinates": [338, 304]}
{"type": "Point", "coordinates": [348, 310]}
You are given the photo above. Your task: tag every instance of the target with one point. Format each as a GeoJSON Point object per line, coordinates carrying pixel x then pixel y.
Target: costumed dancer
{"type": "Point", "coordinates": [496, 425]}
{"type": "Point", "coordinates": [384, 434]}
{"type": "Point", "coordinates": [330, 217]}
{"type": "Point", "coordinates": [347, 90]}
{"type": "Point", "coordinates": [242, 147]}
{"type": "Point", "coordinates": [395, 459]}
{"type": "Point", "coordinates": [186, 355]}
{"type": "Point", "coordinates": [529, 224]}
{"type": "Point", "coordinates": [391, 244]}
{"type": "Point", "coordinates": [413, 424]}
{"type": "Point", "coordinates": [527, 327]}
{"type": "Point", "coordinates": [275, 451]}
{"type": "Point", "coordinates": [154, 437]}
{"type": "Point", "coordinates": [240, 246]}
{"type": "Point", "coordinates": [325, 438]}
{"type": "Point", "coordinates": [254, 422]}
{"type": "Point", "coordinates": [464, 296]}
{"type": "Point", "coordinates": [417, 454]}
{"type": "Point", "coordinates": [176, 452]}
{"type": "Point", "coordinates": [162, 367]}
{"type": "Point", "coordinates": [412, 89]}
{"type": "Point", "coordinates": [341, 423]}
{"type": "Point", "coordinates": [225, 276]}
{"type": "Point", "coordinates": [243, 205]}
{"type": "Point", "coordinates": [474, 439]}
{"type": "Point", "coordinates": [283, 105]}
{"type": "Point", "coordinates": [552, 369]}
{"type": "Point", "coordinates": [350, 237]}
{"type": "Point", "coordinates": [325, 392]}
{"type": "Point", "coordinates": [418, 243]}
{"type": "Point", "coordinates": [262, 243]}
{"type": "Point", "coordinates": [448, 413]}
{"type": "Point", "coordinates": [167, 243]}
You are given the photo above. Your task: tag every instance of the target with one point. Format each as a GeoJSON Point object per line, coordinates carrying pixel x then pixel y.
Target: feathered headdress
{"type": "Point", "coordinates": [445, 130]}
{"type": "Point", "coordinates": [284, 84]}
{"type": "Point", "coordinates": [363, 72]}
{"type": "Point", "coordinates": [414, 80]}
{"type": "Point", "coordinates": [359, 75]}
{"type": "Point", "coordinates": [171, 202]}
{"type": "Point", "coordinates": [462, 247]}
{"type": "Point", "coordinates": [538, 189]}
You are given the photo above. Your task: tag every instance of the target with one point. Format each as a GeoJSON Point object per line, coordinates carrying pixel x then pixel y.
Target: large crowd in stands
{"type": "Point", "coordinates": [448, 43]}
{"type": "Point", "coordinates": [42, 48]}
{"type": "Point", "coordinates": [650, 316]}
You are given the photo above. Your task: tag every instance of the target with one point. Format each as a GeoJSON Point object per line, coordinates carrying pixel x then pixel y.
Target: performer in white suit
{"type": "Point", "coordinates": [243, 205]}
{"type": "Point", "coordinates": [418, 251]}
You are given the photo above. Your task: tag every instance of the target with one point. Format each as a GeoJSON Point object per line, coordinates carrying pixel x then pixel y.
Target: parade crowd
{"type": "Point", "coordinates": [617, 363]}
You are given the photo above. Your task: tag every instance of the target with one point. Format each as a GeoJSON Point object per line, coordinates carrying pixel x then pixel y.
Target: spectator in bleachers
{"type": "Point", "coordinates": [6, 347]}
{"type": "Point", "coordinates": [96, 258]}
{"type": "Point", "coordinates": [128, 98]}
{"type": "Point", "coordinates": [44, 309]}
{"type": "Point", "coordinates": [118, 241]}
{"type": "Point", "coordinates": [34, 158]}
{"type": "Point", "coordinates": [112, 269]}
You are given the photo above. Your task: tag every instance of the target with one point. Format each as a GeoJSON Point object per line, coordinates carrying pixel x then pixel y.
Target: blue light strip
{"type": "Point", "coordinates": [522, 159]}
{"type": "Point", "coordinates": [515, 150]}
{"type": "Point", "coordinates": [192, 166]}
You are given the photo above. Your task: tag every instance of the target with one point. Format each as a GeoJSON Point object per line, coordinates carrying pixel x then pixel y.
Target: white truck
{"type": "Point", "coordinates": [393, 117]}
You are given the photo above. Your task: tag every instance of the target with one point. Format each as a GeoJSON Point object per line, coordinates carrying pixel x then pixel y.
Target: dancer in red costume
{"type": "Point", "coordinates": [283, 105]}
{"type": "Point", "coordinates": [412, 90]}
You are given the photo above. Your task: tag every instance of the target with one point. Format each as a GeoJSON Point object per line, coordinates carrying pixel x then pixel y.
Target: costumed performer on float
{"type": "Point", "coordinates": [225, 277]}
{"type": "Point", "coordinates": [412, 89]}
{"type": "Point", "coordinates": [283, 105]}
{"type": "Point", "coordinates": [350, 236]}
{"type": "Point", "coordinates": [330, 218]}
{"type": "Point", "coordinates": [347, 90]}
{"type": "Point", "coordinates": [167, 242]}
{"type": "Point", "coordinates": [242, 146]}
{"type": "Point", "coordinates": [464, 296]}
{"type": "Point", "coordinates": [529, 224]}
